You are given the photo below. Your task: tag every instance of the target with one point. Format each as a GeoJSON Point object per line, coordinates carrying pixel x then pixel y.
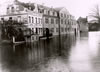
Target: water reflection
{"type": "Point", "coordinates": [80, 57]}
{"type": "Point", "coordinates": [78, 54]}
{"type": "Point", "coordinates": [84, 56]}
{"type": "Point", "coordinates": [24, 56]}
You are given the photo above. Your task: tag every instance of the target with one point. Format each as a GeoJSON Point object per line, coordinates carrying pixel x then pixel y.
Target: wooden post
{"type": "Point", "coordinates": [13, 39]}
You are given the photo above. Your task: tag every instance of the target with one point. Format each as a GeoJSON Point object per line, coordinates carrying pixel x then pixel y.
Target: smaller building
{"type": "Point", "coordinates": [83, 24]}
{"type": "Point", "coordinates": [94, 25]}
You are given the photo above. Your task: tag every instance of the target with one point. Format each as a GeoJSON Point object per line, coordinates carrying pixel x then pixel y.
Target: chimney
{"type": "Point", "coordinates": [16, 1]}
{"type": "Point", "coordinates": [29, 8]}
{"type": "Point", "coordinates": [36, 8]}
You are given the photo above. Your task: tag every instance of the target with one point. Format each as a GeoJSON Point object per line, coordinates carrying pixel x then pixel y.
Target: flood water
{"type": "Point", "coordinates": [71, 54]}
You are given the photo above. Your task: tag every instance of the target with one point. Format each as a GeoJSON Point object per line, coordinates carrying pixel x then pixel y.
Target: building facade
{"type": "Point", "coordinates": [83, 24]}
{"type": "Point", "coordinates": [39, 18]}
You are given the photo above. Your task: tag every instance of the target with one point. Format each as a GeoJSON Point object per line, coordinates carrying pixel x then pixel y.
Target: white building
{"type": "Point", "coordinates": [38, 18]}
{"type": "Point", "coordinates": [22, 12]}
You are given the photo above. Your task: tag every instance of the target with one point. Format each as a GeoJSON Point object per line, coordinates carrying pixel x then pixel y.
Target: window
{"type": "Point", "coordinates": [7, 10]}
{"type": "Point", "coordinates": [46, 20]}
{"type": "Point", "coordinates": [62, 30]}
{"type": "Point", "coordinates": [44, 11]}
{"type": "Point", "coordinates": [10, 18]}
{"type": "Point", "coordinates": [12, 9]}
{"type": "Point", "coordinates": [52, 21]}
{"type": "Point", "coordinates": [57, 30]}
{"type": "Point", "coordinates": [66, 29]}
{"type": "Point", "coordinates": [64, 15]}
{"type": "Point", "coordinates": [52, 29]}
{"type": "Point", "coordinates": [39, 20]}
{"type": "Point", "coordinates": [29, 19]}
{"type": "Point", "coordinates": [70, 22]}
{"type": "Point", "coordinates": [66, 21]}
{"type": "Point", "coordinates": [48, 12]}
{"type": "Point", "coordinates": [68, 16]}
{"type": "Point", "coordinates": [36, 20]}
{"type": "Point", "coordinates": [32, 30]}
{"type": "Point", "coordinates": [61, 21]}
{"type": "Point", "coordinates": [56, 21]}
{"type": "Point", "coordinates": [2, 19]}
{"type": "Point", "coordinates": [17, 8]}
{"type": "Point", "coordinates": [61, 15]}
{"type": "Point", "coordinates": [32, 19]}
{"type": "Point", "coordinates": [41, 10]}
{"type": "Point", "coordinates": [53, 13]}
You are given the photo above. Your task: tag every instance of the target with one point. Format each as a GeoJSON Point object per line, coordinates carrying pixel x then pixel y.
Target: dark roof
{"type": "Point", "coordinates": [31, 5]}
{"type": "Point", "coordinates": [84, 20]}
{"type": "Point", "coordinates": [26, 5]}
{"type": "Point", "coordinates": [45, 7]}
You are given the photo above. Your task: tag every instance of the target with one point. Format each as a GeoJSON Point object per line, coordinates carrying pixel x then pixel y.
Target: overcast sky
{"type": "Point", "coordinates": [75, 7]}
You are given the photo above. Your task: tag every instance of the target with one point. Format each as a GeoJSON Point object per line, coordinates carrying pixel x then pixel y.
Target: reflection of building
{"type": "Point", "coordinates": [83, 24]}
{"type": "Point", "coordinates": [38, 18]}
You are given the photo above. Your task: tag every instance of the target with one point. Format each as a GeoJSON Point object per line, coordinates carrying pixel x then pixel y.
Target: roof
{"type": "Point", "coordinates": [93, 21]}
{"type": "Point", "coordinates": [32, 6]}
{"type": "Point", "coordinates": [59, 8]}
{"type": "Point", "coordinates": [82, 19]}
{"type": "Point", "coordinates": [45, 7]}
{"type": "Point", "coordinates": [26, 5]}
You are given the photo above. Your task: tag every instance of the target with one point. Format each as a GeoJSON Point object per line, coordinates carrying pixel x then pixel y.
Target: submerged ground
{"type": "Point", "coordinates": [71, 54]}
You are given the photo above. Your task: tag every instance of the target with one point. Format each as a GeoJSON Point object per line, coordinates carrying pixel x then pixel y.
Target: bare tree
{"type": "Point", "coordinates": [95, 14]}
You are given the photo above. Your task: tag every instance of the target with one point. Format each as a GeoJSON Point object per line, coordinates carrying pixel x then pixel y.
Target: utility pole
{"type": "Point", "coordinates": [59, 51]}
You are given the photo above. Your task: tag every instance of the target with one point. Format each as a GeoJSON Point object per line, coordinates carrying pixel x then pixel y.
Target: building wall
{"type": "Point", "coordinates": [83, 24]}
{"type": "Point", "coordinates": [83, 27]}
{"type": "Point", "coordinates": [67, 22]}
{"type": "Point", "coordinates": [50, 20]}
{"type": "Point", "coordinates": [35, 23]}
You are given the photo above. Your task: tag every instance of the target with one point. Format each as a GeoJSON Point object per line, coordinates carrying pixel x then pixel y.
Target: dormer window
{"type": "Point", "coordinates": [12, 9]}
{"type": "Point", "coordinates": [29, 19]}
{"type": "Point", "coordinates": [53, 13]}
{"type": "Point", "coordinates": [61, 15]}
{"type": "Point", "coordinates": [8, 10]}
{"type": "Point", "coordinates": [41, 11]}
{"type": "Point", "coordinates": [17, 8]}
{"type": "Point", "coordinates": [30, 8]}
